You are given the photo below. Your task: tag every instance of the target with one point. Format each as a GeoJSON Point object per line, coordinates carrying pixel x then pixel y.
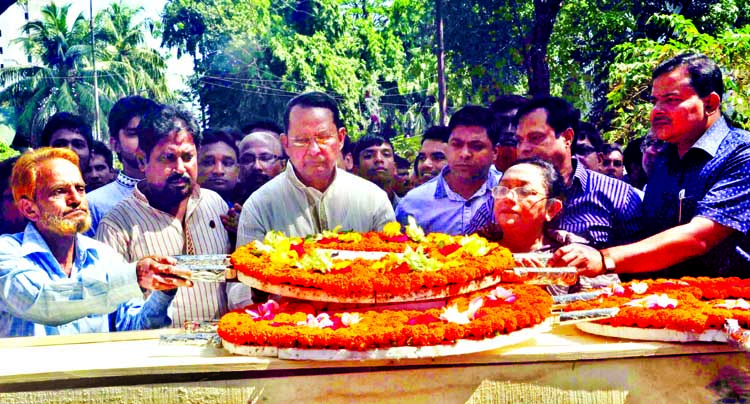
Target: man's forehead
{"type": "Point", "coordinates": [382, 146]}
{"type": "Point", "coordinates": [260, 140]}
{"type": "Point", "coordinates": [58, 170]}
{"type": "Point", "coordinates": [469, 133]}
{"type": "Point", "coordinates": [673, 81]}
{"type": "Point", "coordinates": [177, 139]}
{"type": "Point", "coordinates": [97, 159]}
{"type": "Point", "coordinates": [68, 134]}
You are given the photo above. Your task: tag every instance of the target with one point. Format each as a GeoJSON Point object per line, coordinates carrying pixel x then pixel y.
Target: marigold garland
{"type": "Point", "coordinates": [364, 277]}
{"type": "Point", "coordinates": [696, 311]}
{"type": "Point", "coordinates": [388, 328]}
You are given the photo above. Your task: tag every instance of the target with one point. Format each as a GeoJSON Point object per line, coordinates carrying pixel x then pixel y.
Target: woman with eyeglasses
{"type": "Point", "coordinates": [525, 200]}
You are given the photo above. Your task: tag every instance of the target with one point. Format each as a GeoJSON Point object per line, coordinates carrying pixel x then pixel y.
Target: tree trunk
{"type": "Point", "coordinates": [442, 102]}
{"type": "Point", "coordinates": [535, 55]}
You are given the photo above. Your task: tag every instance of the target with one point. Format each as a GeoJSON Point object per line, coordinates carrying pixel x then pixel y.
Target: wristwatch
{"type": "Point", "coordinates": [608, 264]}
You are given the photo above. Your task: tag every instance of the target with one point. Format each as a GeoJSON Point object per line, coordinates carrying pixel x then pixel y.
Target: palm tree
{"type": "Point", "coordinates": [121, 47]}
{"type": "Point", "coordinates": [64, 79]}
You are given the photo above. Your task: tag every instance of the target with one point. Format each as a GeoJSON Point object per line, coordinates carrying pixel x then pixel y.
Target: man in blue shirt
{"type": "Point", "coordinates": [55, 281]}
{"type": "Point", "coordinates": [697, 203]}
{"type": "Point", "coordinates": [447, 202]}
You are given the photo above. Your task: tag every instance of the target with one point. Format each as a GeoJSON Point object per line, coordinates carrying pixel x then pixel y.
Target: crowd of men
{"type": "Point", "coordinates": [82, 240]}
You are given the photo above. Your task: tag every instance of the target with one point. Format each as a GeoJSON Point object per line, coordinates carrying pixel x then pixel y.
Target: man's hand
{"type": "Point", "coordinates": [232, 218]}
{"type": "Point", "coordinates": [160, 273]}
{"type": "Point", "coordinates": [587, 260]}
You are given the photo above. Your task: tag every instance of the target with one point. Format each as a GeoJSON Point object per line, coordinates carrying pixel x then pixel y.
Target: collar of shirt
{"type": "Point", "coordinates": [442, 190]}
{"type": "Point", "coordinates": [126, 181]}
{"type": "Point", "coordinates": [33, 242]}
{"type": "Point", "coordinates": [580, 179]}
{"type": "Point", "coordinates": [309, 191]}
{"type": "Point", "coordinates": [711, 140]}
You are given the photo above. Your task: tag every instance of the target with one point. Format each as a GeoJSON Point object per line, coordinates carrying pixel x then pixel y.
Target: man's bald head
{"type": "Point", "coordinates": [261, 158]}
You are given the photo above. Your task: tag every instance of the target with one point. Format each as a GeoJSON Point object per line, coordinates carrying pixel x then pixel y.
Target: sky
{"type": "Point", "coordinates": [177, 69]}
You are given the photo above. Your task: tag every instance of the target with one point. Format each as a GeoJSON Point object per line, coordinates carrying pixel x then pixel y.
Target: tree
{"type": "Point", "coordinates": [630, 74]}
{"type": "Point", "coordinates": [64, 79]}
{"type": "Point", "coordinates": [122, 48]}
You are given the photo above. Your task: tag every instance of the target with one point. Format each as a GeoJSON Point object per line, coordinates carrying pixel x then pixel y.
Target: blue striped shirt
{"type": "Point", "coordinates": [37, 298]}
{"type": "Point", "coordinates": [603, 210]}
{"type": "Point", "coordinates": [436, 208]}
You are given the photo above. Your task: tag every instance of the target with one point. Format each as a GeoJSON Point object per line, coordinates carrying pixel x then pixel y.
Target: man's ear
{"type": "Point", "coordinates": [569, 135]}
{"type": "Point", "coordinates": [141, 157]}
{"type": "Point", "coordinates": [342, 135]}
{"type": "Point", "coordinates": [28, 209]}
{"type": "Point", "coordinates": [554, 206]}
{"type": "Point", "coordinates": [712, 103]}
{"type": "Point", "coordinates": [284, 139]}
{"type": "Point", "coordinates": [114, 145]}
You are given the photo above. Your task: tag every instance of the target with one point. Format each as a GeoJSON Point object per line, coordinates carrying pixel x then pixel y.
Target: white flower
{"type": "Point", "coordinates": [661, 301]}
{"type": "Point", "coordinates": [349, 319]}
{"type": "Point", "coordinates": [639, 287]}
{"type": "Point", "coordinates": [321, 321]}
{"type": "Point", "coordinates": [734, 304]}
{"type": "Point", "coordinates": [452, 314]}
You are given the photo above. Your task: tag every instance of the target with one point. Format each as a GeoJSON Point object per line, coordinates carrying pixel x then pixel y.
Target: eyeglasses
{"type": "Point", "coordinates": [584, 150]}
{"type": "Point", "coordinates": [501, 191]}
{"type": "Point", "coordinates": [613, 163]}
{"type": "Point", "coordinates": [263, 158]}
{"type": "Point", "coordinates": [321, 139]}
{"type": "Point", "coordinates": [659, 145]}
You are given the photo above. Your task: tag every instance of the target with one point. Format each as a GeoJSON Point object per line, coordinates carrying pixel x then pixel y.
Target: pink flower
{"type": "Point", "coordinates": [265, 311]}
{"type": "Point", "coordinates": [500, 293]}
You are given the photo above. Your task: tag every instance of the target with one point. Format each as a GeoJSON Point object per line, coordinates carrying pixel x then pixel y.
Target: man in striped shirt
{"type": "Point", "coordinates": [168, 213]}
{"type": "Point", "coordinates": [599, 210]}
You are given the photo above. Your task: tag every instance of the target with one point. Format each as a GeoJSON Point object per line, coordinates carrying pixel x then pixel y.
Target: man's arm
{"type": "Point", "coordinates": [139, 315]}
{"type": "Point", "coordinates": [27, 291]}
{"type": "Point", "coordinates": [657, 252]}
{"type": "Point", "coordinates": [250, 227]}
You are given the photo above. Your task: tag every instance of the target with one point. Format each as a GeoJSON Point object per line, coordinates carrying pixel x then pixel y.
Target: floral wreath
{"type": "Point", "coordinates": [477, 316]}
{"type": "Point", "coordinates": [423, 261]}
{"type": "Point", "coordinates": [688, 304]}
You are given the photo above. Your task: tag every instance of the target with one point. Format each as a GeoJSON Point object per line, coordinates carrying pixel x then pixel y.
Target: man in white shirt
{"type": "Point", "coordinates": [312, 195]}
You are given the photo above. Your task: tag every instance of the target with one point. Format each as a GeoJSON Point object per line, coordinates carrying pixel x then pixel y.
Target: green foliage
{"type": "Point", "coordinates": [374, 58]}
{"type": "Point", "coordinates": [6, 152]}
{"type": "Point", "coordinates": [64, 80]}
{"type": "Point", "coordinates": [630, 74]}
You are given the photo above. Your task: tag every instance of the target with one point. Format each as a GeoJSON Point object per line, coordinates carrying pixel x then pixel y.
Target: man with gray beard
{"type": "Point", "coordinates": [56, 281]}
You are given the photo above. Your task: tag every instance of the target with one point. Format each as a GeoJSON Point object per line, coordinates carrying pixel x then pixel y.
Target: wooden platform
{"type": "Point", "coordinates": [564, 365]}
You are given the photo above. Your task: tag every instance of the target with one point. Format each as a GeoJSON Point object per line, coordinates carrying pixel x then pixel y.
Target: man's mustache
{"type": "Point", "coordinates": [179, 177]}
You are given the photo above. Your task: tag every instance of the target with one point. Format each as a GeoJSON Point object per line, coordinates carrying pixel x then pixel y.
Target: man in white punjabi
{"type": "Point", "coordinates": [312, 194]}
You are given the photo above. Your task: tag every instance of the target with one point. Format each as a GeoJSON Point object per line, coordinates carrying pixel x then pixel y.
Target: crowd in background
{"type": "Point", "coordinates": [525, 172]}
